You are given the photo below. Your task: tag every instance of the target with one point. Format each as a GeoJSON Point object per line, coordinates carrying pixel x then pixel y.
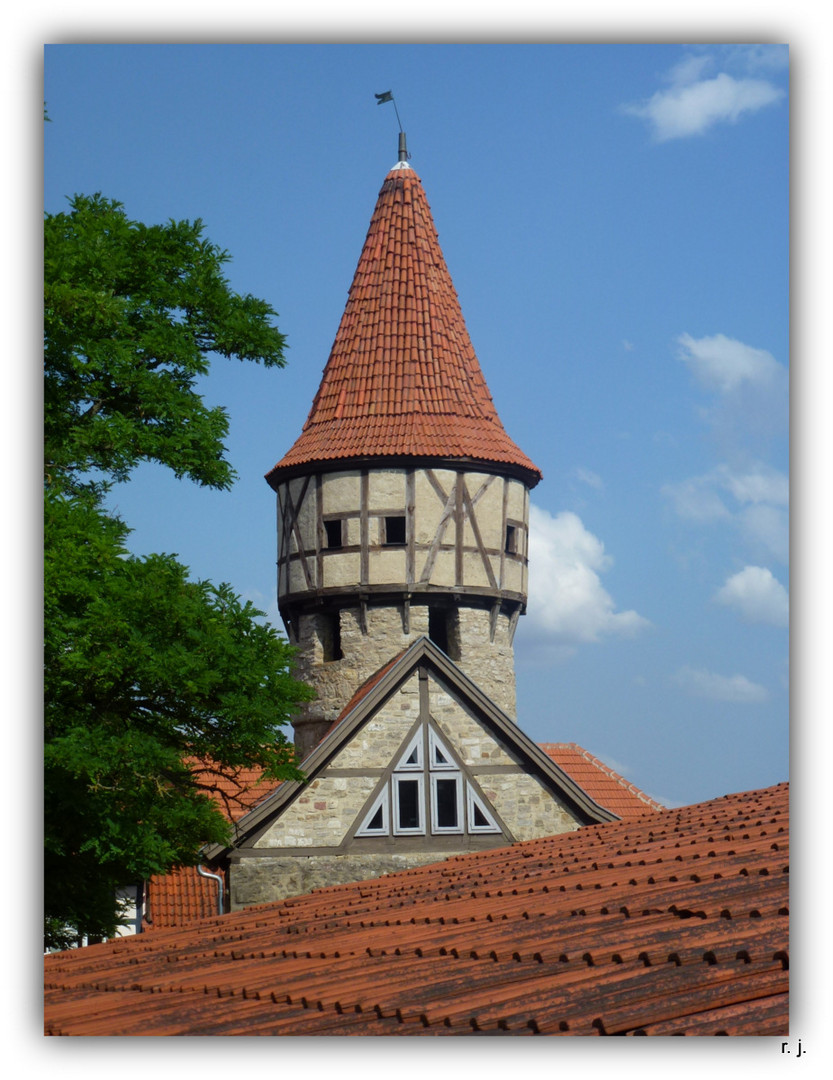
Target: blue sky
{"type": "Point", "coordinates": [615, 219]}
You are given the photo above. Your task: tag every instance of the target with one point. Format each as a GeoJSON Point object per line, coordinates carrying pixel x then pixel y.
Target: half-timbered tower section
{"type": "Point", "coordinates": [403, 507]}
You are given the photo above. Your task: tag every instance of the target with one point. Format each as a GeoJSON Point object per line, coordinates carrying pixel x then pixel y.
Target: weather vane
{"type": "Point", "coordinates": [388, 96]}
{"type": "Point", "coordinates": [380, 100]}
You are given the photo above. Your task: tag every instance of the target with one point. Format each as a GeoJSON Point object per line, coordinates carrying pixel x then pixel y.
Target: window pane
{"type": "Point", "coordinates": [394, 530]}
{"type": "Point", "coordinates": [377, 821]}
{"type": "Point", "coordinates": [446, 804]}
{"type": "Point", "coordinates": [333, 530]}
{"type": "Point", "coordinates": [480, 819]}
{"type": "Point", "coordinates": [408, 791]}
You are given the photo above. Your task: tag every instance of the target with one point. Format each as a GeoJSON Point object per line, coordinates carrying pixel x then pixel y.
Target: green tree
{"type": "Point", "coordinates": [132, 314]}
{"type": "Point", "coordinates": [153, 683]}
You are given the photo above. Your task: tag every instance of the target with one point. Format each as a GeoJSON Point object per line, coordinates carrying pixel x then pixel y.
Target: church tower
{"type": "Point", "coordinates": [403, 506]}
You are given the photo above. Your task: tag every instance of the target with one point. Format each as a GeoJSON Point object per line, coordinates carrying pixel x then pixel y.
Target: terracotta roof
{"type": "Point", "coordinates": [667, 924]}
{"type": "Point", "coordinates": [402, 379]}
{"type": "Point", "coordinates": [602, 784]}
{"type": "Point", "coordinates": [235, 790]}
{"type": "Point", "coordinates": [178, 898]}
{"type": "Point", "coordinates": [182, 895]}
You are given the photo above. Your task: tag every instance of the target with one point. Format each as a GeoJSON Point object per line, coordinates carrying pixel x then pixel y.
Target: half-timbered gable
{"type": "Point", "coordinates": [421, 765]}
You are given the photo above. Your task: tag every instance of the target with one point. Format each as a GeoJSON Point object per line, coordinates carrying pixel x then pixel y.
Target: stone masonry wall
{"type": "Point", "coordinates": [265, 880]}
{"type": "Point", "coordinates": [488, 663]}
{"type": "Point", "coordinates": [527, 807]}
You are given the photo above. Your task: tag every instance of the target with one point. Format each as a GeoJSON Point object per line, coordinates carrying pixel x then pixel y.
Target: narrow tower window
{"type": "Point", "coordinates": [511, 545]}
{"type": "Point", "coordinates": [395, 530]}
{"type": "Point", "coordinates": [444, 630]}
{"type": "Point", "coordinates": [438, 628]}
{"type": "Point", "coordinates": [329, 634]}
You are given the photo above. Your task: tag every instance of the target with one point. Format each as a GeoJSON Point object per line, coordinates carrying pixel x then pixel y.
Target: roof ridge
{"type": "Point", "coordinates": [606, 770]}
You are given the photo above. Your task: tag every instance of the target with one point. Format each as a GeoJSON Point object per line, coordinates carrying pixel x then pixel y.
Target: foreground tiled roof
{"type": "Point", "coordinates": [402, 379]}
{"type": "Point", "coordinates": [603, 784]}
{"type": "Point", "coordinates": [667, 924]}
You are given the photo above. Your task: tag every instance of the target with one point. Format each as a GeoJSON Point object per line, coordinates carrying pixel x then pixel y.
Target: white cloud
{"type": "Point", "coordinates": [587, 476]}
{"type": "Point", "coordinates": [737, 689]}
{"type": "Point", "coordinates": [757, 595]}
{"type": "Point", "coordinates": [692, 107]}
{"type": "Point", "coordinates": [567, 601]}
{"type": "Point", "coordinates": [757, 57]}
{"type": "Point", "coordinates": [723, 364]}
{"type": "Point", "coordinates": [696, 500]}
{"type": "Point", "coordinates": [754, 500]}
{"type": "Point", "coordinates": [767, 528]}
{"type": "Point", "coordinates": [763, 484]}
{"type": "Point", "coordinates": [689, 69]}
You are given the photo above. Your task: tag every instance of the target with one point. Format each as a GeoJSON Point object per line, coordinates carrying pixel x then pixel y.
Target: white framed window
{"type": "Point", "coordinates": [377, 820]}
{"type": "Point", "coordinates": [440, 758]}
{"type": "Point", "coordinates": [479, 818]}
{"type": "Point", "coordinates": [408, 804]}
{"type": "Point", "coordinates": [427, 796]}
{"type": "Point", "coordinates": [446, 802]}
{"type": "Point", "coordinates": [412, 758]}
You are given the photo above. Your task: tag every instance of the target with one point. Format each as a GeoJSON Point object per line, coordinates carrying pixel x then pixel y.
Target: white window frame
{"type": "Point", "coordinates": [419, 778]}
{"type": "Point", "coordinates": [434, 744]}
{"type": "Point", "coordinates": [446, 774]}
{"type": "Point", "coordinates": [412, 766]}
{"type": "Point", "coordinates": [383, 800]}
{"type": "Point", "coordinates": [472, 800]}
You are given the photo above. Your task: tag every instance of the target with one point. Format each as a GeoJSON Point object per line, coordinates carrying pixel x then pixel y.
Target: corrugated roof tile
{"type": "Point", "coordinates": [611, 930]}
{"type": "Point", "coordinates": [402, 379]}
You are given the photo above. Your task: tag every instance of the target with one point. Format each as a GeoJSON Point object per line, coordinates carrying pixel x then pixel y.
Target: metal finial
{"type": "Point", "coordinates": [403, 148]}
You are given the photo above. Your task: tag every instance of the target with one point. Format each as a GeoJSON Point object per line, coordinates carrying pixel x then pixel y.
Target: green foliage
{"type": "Point", "coordinates": [154, 684]}
{"type": "Point", "coordinates": [131, 313]}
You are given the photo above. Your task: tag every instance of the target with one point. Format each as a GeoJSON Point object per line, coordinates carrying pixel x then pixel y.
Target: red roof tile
{"type": "Point", "coordinates": [403, 379]}
{"type": "Point", "coordinates": [235, 790]}
{"type": "Point", "coordinates": [183, 895]}
{"type": "Point", "coordinates": [602, 784]}
{"type": "Point", "coordinates": [667, 924]}
{"type": "Point", "coordinates": [178, 898]}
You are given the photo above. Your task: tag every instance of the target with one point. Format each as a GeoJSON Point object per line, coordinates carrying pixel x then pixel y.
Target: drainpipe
{"type": "Point", "coordinates": [220, 887]}
{"type": "Point", "coordinates": [146, 914]}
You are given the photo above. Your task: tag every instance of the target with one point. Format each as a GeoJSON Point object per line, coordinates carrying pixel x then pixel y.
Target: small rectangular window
{"type": "Point", "coordinates": [334, 535]}
{"type": "Point", "coordinates": [408, 805]}
{"type": "Point", "coordinates": [447, 804]}
{"type": "Point", "coordinates": [395, 530]}
{"type": "Point", "coordinates": [511, 545]}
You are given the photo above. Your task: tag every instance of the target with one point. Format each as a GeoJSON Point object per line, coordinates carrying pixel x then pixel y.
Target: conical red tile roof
{"type": "Point", "coordinates": [403, 380]}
